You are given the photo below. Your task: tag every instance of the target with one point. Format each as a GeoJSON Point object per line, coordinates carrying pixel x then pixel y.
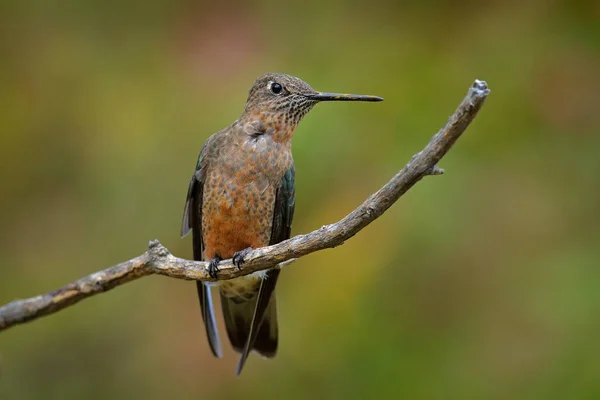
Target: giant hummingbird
{"type": "Point", "coordinates": [242, 196]}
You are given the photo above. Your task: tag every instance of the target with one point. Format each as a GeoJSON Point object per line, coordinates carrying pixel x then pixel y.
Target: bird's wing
{"type": "Point", "coordinates": [192, 221]}
{"type": "Point", "coordinates": [285, 203]}
{"type": "Point", "coordinates": [263, 329]}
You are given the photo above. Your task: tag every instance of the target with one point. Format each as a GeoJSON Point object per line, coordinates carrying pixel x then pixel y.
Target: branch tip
{"type": "Point", "coordinates": [480, 87]}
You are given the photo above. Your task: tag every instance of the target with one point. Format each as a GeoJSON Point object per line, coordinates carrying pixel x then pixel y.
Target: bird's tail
{"type": "Point", "coordinates": [238, 314]}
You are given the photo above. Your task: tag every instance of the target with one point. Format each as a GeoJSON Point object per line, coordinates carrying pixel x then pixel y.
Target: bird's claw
{"type": "Point", "coordinates": [213, 267]}
{"type": "Point", "coordinates": [238, 257]}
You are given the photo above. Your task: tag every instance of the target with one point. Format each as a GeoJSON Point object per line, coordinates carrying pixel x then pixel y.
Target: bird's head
{"type": "Point", "coordinates": [281, 101]}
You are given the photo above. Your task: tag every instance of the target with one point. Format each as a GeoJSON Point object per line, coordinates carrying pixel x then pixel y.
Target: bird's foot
{"type": "Point", "coordinates": [213, 267]}
{"type": "Point", "coordinates": [238, 257]}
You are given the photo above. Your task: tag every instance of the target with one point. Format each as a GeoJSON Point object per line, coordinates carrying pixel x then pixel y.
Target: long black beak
{"type": "Point", "coordinates": [325, 96]}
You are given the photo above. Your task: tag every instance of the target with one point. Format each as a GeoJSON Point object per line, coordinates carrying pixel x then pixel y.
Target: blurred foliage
{"type": "Point", "coordinates": [482, 283]}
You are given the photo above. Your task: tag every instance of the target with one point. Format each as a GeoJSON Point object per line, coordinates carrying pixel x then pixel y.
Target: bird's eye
{"type": "Point", "coordinates": [276, 88]}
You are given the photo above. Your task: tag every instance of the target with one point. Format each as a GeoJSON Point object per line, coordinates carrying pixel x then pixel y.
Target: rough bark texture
{"type": "Point", "coordinates": [158, 260]}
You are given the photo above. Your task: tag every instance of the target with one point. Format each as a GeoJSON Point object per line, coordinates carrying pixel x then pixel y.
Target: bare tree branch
{"type": "Point", "coordinates": [158, 260]}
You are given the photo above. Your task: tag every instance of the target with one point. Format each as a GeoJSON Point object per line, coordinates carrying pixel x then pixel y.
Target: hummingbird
{"type": "Point", "coordinates": [241, 197]}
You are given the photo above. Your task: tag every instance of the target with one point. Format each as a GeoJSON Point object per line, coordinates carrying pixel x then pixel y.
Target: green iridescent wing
{"type": "Point", "coordinates": [192, 221]}
{"type": "Point", "coordinates": [285, 204]}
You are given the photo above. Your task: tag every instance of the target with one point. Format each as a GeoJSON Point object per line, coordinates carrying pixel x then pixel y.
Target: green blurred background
{"type": "Point", "coordinates": [482, 283]}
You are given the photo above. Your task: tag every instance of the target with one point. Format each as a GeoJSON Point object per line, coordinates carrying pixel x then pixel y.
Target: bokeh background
{"type": "Point", "coordinates": [482, 283]}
